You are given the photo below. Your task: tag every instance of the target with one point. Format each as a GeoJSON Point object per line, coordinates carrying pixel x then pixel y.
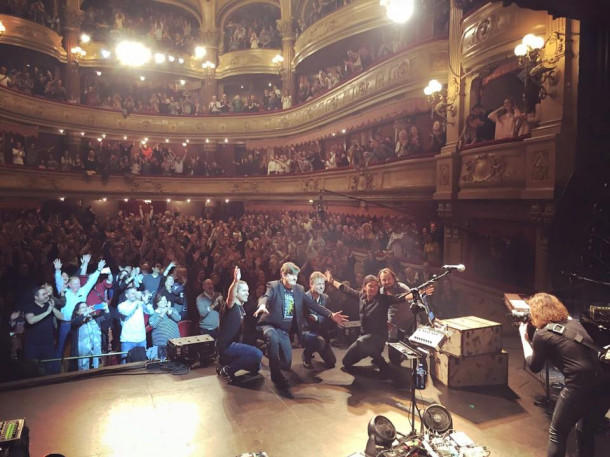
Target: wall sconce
{"type": "Point", "coordinates": [278, 64]}
{"type": "Point", "coordinates": [208, 69]}
{"type": "Point", "coordinates": [2, 28]}
{"type": "Point", "coordinates": [437, 99]}
{"type": "Point", "coordinates": [78, 54]}
{"type": "Point", "coordinates": [537, 72]}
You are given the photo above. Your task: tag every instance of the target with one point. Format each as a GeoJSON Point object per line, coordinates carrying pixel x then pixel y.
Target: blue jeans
{"type": "Point", "coordinates": [313, 342]}
{"type": "Point", "coordinates": [366, 346]}
{"type": "Point", "coordinates": [126, 346]}
{"type": "Point", "coordinates": [64, 332]}
{"type": "Point", "coordinates": [279, 351]}
{"type": "Point", "coordinates": [239, 356]}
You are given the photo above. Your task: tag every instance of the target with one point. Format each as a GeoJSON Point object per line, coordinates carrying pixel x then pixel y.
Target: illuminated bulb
{"type": "Point", "coordinates": [104, 199]}
{"type": "Point", "coordinates": [182, 82]}
{"type": "Point", "coordinates": [159, 58]}
{"type": "Point", "coordinates": [188, 200]}
{"type": "Point", "coordinates": [132, 53]}
{"type": "Point", "coordinates": [142, 78]}
{"type": "Point", "coordinates": [399, 11]}
{"type": "Point", "coordinates": [99, 139]}
{"type": "Point", "coordinates": [103, 135]}
{"type": "Point", "coordinates": [428, 90]}
{"type": "Point", "coordinates": [538, 43]}
{"type": "Point", "coordinates": [105, 53]}
{"type": "Point", "coordinates": [184, 144]}
{"type": "Point", "coordinates": [99, 73]}
{"type": "Point", "coordinates": [61, 199]}
{"type": "Point", "coordinates": [435, 85]}
{"type": "Point", "coordinates": [226, 200]}
{"type": "Point", "coordinates": [343, 131]}
{"type": "Point", "coordinates": [200, 52]}
{"type": "Point", "coordinates": [171, 58]}
{"type": "Point", "coordinates": [207, 200]}
{"type": "Point", "coordinates": [61, 130]}
{"type": "Point", "coordinates": [82, 133]}
{"type": "Point", "coordinates": [226, 140]}
{"type": "Point", "coordinates": [180, 60]}
{"type": "Point", "coordinates": [125, 137]}
{"type": "Point", "coordinates": [207, 140]}
{"type": "Point", "coordinates": [167, 140]}
{"type": "Point", "coordinates": [310, 201]}
{"type": "Point", "coordinates": [187, 140]}
{"type": "Point", "coordinates": [125, 200]}
{"type": "Point", "coordinates": [520, 50]}
{"type": "Point", "coordinates": [146, 139]}
{"type": "Point", "coordinates": [85, 38]}
{"type": "Point", "coordinates": [169, 200]}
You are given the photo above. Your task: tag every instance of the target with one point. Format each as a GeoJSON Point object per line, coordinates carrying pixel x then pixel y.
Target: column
{"type": "Point", "coordinates": [287, 31]}
{"type": "Point", "coordinates": [542, 214]}
{"type": "Point", "coordinates": [209, 87]}
{"type": "Point", "coordinates": [71, 31]}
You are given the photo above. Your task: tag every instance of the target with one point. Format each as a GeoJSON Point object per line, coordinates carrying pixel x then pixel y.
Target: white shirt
{"type": "Point", "coordinates": [134, 330]}
{"type": "Point", "coordinates": [74, 298]}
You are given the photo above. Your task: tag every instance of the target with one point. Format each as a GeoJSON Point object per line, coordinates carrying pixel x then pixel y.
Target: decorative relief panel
{"type": "Point", "coordinates": [541, 167]}
{"type": "Point", "coordinates": [363, 181]}
{"type": "Point", "coordinates": [312, 185]}
{"type": "Point", "coordinates": [246, 61]}
{"type": "Point", "coordinates": [484, 168]}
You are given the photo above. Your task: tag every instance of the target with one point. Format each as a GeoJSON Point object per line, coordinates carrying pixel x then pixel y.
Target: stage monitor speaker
{"type": "Point", "coordinates": [191, 348]}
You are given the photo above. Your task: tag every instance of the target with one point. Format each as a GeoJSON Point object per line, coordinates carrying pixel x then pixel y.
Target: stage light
{"type": "Point", "coordinates": [132, 53]}
{"type": "Point", "coordinates": [437, 419]}
{"type": "Point", "coordinates": [381, 433]}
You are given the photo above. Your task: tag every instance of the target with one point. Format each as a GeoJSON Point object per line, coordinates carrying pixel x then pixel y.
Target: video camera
{"type": "Point", "coordinates": [519, 317]}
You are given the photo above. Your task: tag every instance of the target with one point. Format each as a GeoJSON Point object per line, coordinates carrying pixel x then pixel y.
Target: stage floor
{"type": "Point", "coordinates": [135, 413]}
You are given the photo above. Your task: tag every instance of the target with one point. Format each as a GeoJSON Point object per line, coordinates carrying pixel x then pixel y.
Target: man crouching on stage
{"type": "Point", "coordinates": [233, 355]}
{"type": "Point", "coordinates": [281, 310]}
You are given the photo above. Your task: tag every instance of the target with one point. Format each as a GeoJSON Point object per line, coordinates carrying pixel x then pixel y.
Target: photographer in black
{"type": "Point", "coordinates": [586, 396]}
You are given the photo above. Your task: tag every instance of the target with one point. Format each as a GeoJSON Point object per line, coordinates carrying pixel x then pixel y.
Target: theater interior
{"type": "Point", "coordinates": [368, 114]}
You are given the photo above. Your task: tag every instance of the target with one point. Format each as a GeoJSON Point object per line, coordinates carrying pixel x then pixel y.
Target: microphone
{"type": "Point", "coordinates": [461, 268]}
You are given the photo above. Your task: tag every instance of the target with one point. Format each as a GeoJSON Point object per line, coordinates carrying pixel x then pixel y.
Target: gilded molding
{"type": "Point", "coordinates": [28, 34]}
{"type": "Point", "coordinates": [414, 177]}
{"type": "Point", "coordinates": [491, 33]}
{"type": "Point", "coordinates": [247, 61]}
{"type": "Point", "coordinates": [402, 76]}
{"type": "Point", "coordinates": [349, 20]}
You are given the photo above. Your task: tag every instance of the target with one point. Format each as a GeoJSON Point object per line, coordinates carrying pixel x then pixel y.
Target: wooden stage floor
{"type": "Point", "coordinates": [137, 413]}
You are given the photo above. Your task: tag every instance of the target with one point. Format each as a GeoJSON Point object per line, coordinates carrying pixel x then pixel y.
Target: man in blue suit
{"type": "Point", "coordinates": [315, 327]}
{"type": "Point", "coordinates": [281, 310]}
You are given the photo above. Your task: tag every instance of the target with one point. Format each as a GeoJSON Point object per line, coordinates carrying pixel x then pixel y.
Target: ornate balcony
{"type": "Point", "coordinates": [28, 34]}
{"type": "Point", "coordinates": [400, 79]}
{"type": "Point", "coordinates": [249, 61]}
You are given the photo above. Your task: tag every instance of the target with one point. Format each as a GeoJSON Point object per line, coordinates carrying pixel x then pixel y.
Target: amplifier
{"type": "Point", "coordinates": [427, 336]}
{"type": "Point", "coordinates": [190, 347]}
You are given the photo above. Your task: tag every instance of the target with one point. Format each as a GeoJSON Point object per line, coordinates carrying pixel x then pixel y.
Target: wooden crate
{"type": "Point", "coordinates": [471, 335]}
{"type": "Point", "coordinates": [476, 370]}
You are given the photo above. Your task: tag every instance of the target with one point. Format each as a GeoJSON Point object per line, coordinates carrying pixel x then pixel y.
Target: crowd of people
{"type": "Point", "coordinates": [162, 25]}
{"type": "Point", "coordinates": [98, 277]}
{"type": "Point", "coordinates": [38, 81]}
{"type": "Point", "coordinates": [33, 10]}
{"type": "Point", "coordinates": [504, 123]}
{"type": "Point", "coordinates": [252, 28]}
{"type": "Point", "coordinates": [110, 157]}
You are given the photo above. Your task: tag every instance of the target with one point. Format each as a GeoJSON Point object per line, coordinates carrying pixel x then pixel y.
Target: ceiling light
{"type": "Point", "coordinates": [200, 52]}
{"type": "Point", "coordinates": [399, 11]}
{"type": "Point", "coordinates": [132, 53]}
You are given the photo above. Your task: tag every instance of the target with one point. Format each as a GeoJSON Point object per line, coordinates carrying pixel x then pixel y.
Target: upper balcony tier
{"type": "Point", "coordinates": [399, 78]}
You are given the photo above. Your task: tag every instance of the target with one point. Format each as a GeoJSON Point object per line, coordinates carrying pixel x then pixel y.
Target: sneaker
{"type": "Point", "coordinates": [229, 377]}
{"type": "Point", "coordinates": [307, 361]}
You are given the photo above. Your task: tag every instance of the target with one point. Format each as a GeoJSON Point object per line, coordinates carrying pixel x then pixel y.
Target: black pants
{"type": "Point", "coordinates": [585, 408]}
{"type": "Point", "coordinates": [366, 346]}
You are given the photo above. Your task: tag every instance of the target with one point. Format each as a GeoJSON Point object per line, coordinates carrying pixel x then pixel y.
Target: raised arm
{"type": "Point", "coordinates": [59, 282]}
{"type": "Point", "coordinates": [233, 287]}
{"type": "Point", "coordinates": [341, 287]}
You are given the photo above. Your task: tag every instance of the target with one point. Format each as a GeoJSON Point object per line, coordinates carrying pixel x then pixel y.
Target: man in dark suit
{"type": "Point", "coordinates": [281, 310]}
{"type": "Point", "coordinates": [315, 327]}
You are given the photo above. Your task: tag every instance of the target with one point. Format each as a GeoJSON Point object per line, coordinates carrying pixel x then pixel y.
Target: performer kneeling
{"type": "Point", "coordinates": [233, 355]}
{"type": "Point", "coordinates": [374, 320]}
{"type": "Point", "coordinates": [315, 327]}
{"type": "Point", "coordinates": [586, 396]}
